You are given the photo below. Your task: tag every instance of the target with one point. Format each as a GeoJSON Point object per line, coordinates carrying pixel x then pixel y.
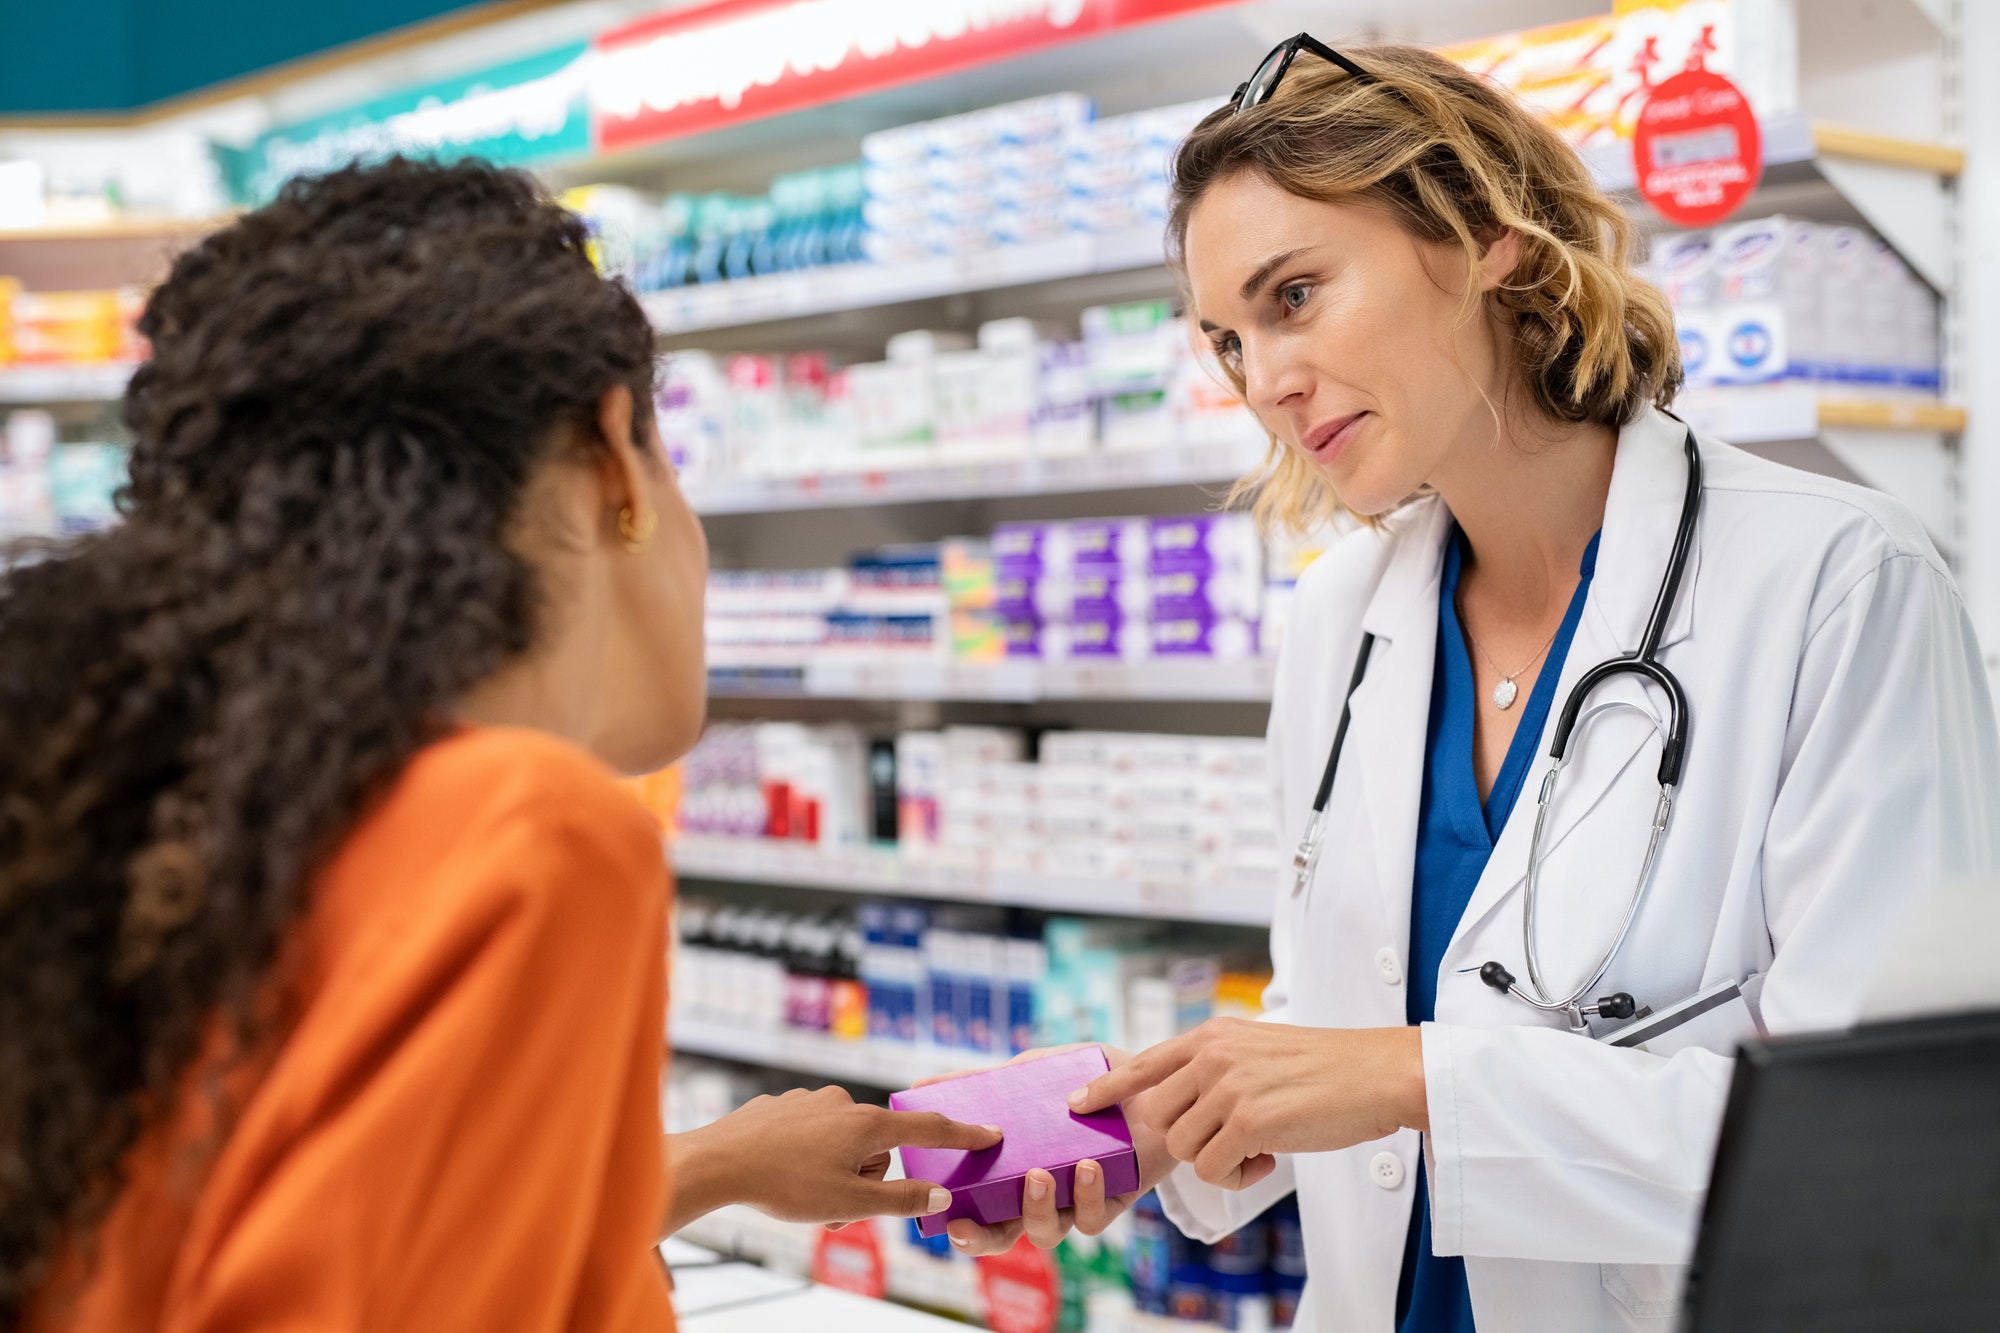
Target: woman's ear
{"type": "Point", "coordinates": [618, 470]}
{"type": "Point", "coordinates": [1502, 253]}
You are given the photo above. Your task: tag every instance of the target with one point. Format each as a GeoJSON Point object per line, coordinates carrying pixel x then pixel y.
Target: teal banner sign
{"type": "Point", "coordinates": [527, 110]}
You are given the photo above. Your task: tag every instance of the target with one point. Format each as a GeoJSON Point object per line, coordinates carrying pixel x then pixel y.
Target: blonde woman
{"type": "Point", "coordinates": [1429, 305]}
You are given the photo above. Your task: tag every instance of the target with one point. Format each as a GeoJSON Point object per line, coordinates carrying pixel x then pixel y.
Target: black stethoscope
{"type": "Point", "coordinates": [1644, 663]}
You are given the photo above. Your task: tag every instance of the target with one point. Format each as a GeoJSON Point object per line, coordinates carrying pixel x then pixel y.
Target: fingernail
{"type": "Point", "coordinates": [1038, 1186]}
{"type": "Point", "coordinates": [993, 1129]}
{"type": "Point", "coordinates": [1076, 1098]}
{"type": "Point", "coordinates": [960, 1241]}
{"type": "Point", "coordinates": [939, 1201]}
{"type": "Point", "coordinates": [1086, 1173]}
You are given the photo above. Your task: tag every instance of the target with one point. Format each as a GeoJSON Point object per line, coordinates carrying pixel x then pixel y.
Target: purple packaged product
{"type": "Point", "coordinates": [1030, 1103]}
{"type": "Point", "coordinates": [1234, 593]}
{"type": "Point", "coordinates": [1014, 593]}
{"type": "Point", "coordinates": [1026, 545]}
{"type": "Point", "coordinates": [1108, 637]}
{"type": "Point", "coordinates": [1204, 541]}
{"type": "Point", "coordinates": [1023, 635]}
{"type": "Point", "coordinates": [1182, 632]}
{"type": "Point", "coordinates": [1100, 590]}
{"type": "Point", "coordinates": [1119, 542]}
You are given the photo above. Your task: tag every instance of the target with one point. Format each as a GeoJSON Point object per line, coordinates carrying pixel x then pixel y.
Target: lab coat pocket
{"type": "Point", "coordinates": [1647, 1291]}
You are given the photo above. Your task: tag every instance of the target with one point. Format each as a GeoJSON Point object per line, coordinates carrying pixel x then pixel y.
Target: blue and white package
{"type": "Point", "coordinates": [1026, 963]}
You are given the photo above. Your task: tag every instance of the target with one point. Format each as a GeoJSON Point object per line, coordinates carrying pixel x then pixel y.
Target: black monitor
{"type": "Point", "coordinates": [1856, 1185]}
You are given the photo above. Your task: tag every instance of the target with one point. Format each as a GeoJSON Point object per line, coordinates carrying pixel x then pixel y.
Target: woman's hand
{"type": "Point", "coordinates": [1231, 1093]}
{"type": "Point", "coordinates": [1091, 1210]}
{"type": "Point", "coordinates": [810, 1157]}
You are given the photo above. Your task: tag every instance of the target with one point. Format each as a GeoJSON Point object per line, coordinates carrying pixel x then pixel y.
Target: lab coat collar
{"type": "Point", "coordinates": [1392, 705]}
{"type": "Point", "coordinates": [1641, 515]}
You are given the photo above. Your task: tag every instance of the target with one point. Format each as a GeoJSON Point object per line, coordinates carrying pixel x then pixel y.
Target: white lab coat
{"type": "Point", "coordinates": [1842, 756]}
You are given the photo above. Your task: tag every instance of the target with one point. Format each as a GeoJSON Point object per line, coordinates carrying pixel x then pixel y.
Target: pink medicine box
{"type": "Point", "coordinates": [1030, 1103]}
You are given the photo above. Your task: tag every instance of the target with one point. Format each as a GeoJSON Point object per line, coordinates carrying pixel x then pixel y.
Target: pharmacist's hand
{"type": "Point", "coordinates": [1091, 1209]}
{"type": "Point", "coordinates": [812, 1157]}
{"type": "Point", "coordinates": [1231, 1093]}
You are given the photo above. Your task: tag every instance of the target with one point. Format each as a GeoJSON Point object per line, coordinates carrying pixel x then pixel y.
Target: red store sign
{"type": "Point", "coordinates": [1696, 149]}
{"type": "Point", "coordinates": [739, 60]}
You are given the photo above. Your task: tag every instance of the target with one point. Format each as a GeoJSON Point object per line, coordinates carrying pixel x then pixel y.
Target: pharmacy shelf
{"type": "Point", "coordinates": [839, 287]}
{"type": "Point", "coordinates": [1872, 170]}
{"type": "Point", "coordinates": [1897, 186]}
{"type": "Point", "coordinates": [1013, 681]}
{"type": "Point", "coordinates": [1005, 473]}
{"type": "Point", "coordinates": [1766, 413]}
{"type": "Point", "coordinates": [64, 384]}
{"type": "Point", "coordinates": [871, 870]}
{"type": "Point", "coordinates": [878, 1064]}
{"type": "Point", "coordinates": [1741, 414]}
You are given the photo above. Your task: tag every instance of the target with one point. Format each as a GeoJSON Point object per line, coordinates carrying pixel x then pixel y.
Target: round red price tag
{"type": "Point", "coordinates": [1696, 150]}
{"type": "Point", "coordinates": [1019, 1290]}
{"type": "Point", "coordinates": [851, 1259]}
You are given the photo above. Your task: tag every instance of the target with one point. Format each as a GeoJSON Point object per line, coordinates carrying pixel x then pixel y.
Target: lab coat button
{"type": "Point", "coordinates": [1389, 965]}
{"type": "Point", "coordinates": [1386, 1170]}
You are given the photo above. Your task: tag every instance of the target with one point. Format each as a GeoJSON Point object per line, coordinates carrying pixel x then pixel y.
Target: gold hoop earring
{"type": "Point", "coordinates": [635, 531]}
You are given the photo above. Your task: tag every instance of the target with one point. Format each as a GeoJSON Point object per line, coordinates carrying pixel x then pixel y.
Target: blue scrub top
{"type": "Point", "coordinates": [1455, 837]}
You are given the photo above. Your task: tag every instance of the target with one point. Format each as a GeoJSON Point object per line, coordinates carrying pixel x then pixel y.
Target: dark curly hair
{"type": "Point", "coordinates": [348, 393]}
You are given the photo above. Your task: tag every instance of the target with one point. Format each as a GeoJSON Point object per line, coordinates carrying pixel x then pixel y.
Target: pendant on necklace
{"type": "Point", "coordinates": [1503, 694]}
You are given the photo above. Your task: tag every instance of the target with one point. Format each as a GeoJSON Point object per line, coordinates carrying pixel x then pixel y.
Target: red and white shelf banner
{"type": "Point", "coordinates": [733, 61]}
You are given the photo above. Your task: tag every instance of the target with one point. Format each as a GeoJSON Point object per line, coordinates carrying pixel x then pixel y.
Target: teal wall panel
{"type": "Point", "coordinates": [60, 56]}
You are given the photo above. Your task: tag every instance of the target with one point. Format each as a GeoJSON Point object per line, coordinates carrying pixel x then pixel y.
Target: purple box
{"type": "Point", "coordinates": [1206, 542]}
{"type": "Point", "coordinates": [1030, 1103]}
{"type": "Point", "coordinates": [1198, 632]}
{"type": "Point", "coordinates": [1118, 542]}
{"type": "Point", "coordinates": [1030, 546]}
{"type": "Point", "coordinates": [1110, 637]}
{"type": "Point", "coordinates": [1099, 591]}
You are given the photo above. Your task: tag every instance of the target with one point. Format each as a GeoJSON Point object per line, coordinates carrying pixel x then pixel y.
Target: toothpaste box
{"type": "Point", "coordinates": [1108, 634]}
{"type": "Point", "coordinates": [1030, 1103]}
{"type": "Point", "coordinates": [1223, 593]}
{"type": "Point", "coordinates": [1202, 633]}
{"type": "Point", "coordinates": [1115, 542]}
{"type": "Point", "coordinates": [1099, 591]}
{"type": "Point", "coordinates": [1033, 547]}
{"type": "Point", "coordinates": [1682, 264]}
{"type": "Point", "coordinates": [1210, 543]}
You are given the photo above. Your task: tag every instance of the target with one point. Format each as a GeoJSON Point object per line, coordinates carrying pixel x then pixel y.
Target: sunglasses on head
{"type": "Point", "coordinates": [1264, 81]}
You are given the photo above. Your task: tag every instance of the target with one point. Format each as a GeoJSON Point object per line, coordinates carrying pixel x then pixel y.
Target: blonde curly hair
{"type": "Point", "coordinates": [1453, 158]}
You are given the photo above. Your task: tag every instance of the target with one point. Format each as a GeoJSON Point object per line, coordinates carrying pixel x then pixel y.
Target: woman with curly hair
{"type": "Point", "coordinates": [332, 959]}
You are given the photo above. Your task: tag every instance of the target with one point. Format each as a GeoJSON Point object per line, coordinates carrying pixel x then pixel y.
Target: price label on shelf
{"type": "Point", "coordinates": [1696, 150]}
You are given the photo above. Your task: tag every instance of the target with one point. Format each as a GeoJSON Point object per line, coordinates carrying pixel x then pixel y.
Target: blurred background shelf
{"type": "Point", "coordinates": [879, 1064]}
{"type": "Point", "coordinates": [64, 383]}
{"type": "Point", "coordinates": [1015, 681]}
{"type": "Point", "coordinates": [1025, 474]}
{"type": "Point", "coordinates": [875, 871]}
{"type": "Point", "coordinates": [843, 287]}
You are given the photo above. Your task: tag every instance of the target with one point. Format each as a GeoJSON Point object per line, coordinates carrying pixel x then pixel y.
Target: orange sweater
{"type": "Point", "coordinates": [461, 1130]}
